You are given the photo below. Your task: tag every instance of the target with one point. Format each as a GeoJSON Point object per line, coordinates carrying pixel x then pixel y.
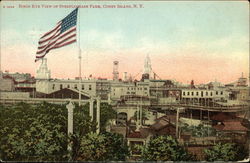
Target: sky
{"type": "Point", "coordinates": [200, 41]}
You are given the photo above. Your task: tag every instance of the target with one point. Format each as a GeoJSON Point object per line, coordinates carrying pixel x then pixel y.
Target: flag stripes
{"type": "Point", "coordinates": [63, 34]}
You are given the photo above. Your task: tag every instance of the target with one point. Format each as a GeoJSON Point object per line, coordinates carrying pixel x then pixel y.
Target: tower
{"type": "Point", "coordinates": [125, 76]}
{"type": "Point", "coordinates": [242, 81]}
{"type": "Point", "coordinates": [115, 70]}
{"type": "Point", "coordinates": [43, 72]}
{"type": "Point", "coordinates": [147, 72]}
{"type": "Point", "coordinates": [42, 77]}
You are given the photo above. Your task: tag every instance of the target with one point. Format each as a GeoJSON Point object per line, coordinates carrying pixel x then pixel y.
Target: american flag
{"type": "Point", "coordinates": [63, 34]}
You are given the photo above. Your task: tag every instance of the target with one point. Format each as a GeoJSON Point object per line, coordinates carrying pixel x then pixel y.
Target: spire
{"type": "Point", "coordinates": [147, 66]}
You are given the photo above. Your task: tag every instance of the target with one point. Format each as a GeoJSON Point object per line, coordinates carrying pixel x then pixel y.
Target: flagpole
{"type": "Point", "coordinates": [80, 57]}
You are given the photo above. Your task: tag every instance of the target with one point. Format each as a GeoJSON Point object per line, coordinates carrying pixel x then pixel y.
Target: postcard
{"type": "Point", "coordinates": [124, 81]}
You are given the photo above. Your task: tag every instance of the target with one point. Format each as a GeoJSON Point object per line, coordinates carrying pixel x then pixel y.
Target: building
{"type": "Point", "coordinates": [19, 82]}
{"type": "Point", "coordinates": [119, 89]}
{"type": "Point", "coordinates": [45, 84]}
{"type": "Point", "coordinates": [7, 84]}
{"type": "Point", "coordinates": [203, 95]}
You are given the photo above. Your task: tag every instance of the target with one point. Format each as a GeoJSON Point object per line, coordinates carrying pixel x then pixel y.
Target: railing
{"type": "Point", "coordinates": [189, 106]}
{"type": "Point", "coordinates": [39, 100]}
{"type": "Point", "coordinates": [217, 108]}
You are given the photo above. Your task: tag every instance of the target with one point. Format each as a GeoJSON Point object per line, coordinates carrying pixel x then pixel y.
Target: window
{"type": "Point", "coordinates": [188, 93]}
{"type": "Point", "coordinates": [221, 92]}
{"type": "Point", "coordinates": [61, 86]}
{"type": "Point", "coordinates": [75, 86]}
{"type": "Point", "coordinates": [197, 93]}
{"type": "Point", "coordinates": [201, 93]}
{"type": "Point", "coordinates": [211, 94]}
{"type": "Point", "coordinates": [206, 93]}
{"type": "Point", "coordinates": [53, 86]}
{"type": "Point", "coordinates": [145, 88]}
{"type": "Point", "coordinates": [192, 93]}
{"type": "Point", "coordinates": [90, 88]}
{"type": "Point", "coordinates": [216, 92]}
{"type": "Point", "coordinates": [82, 86]}
{"type": "Point", "coordinates": [68, 86]}
{"type": "Point", "coordinates": [183, 93]}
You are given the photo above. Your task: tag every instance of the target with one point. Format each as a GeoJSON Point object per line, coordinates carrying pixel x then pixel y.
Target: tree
{"type": "Point", "coordinates": [225, 152]}
{"type": "Point", "coordinates": [33, 133]}
{"type": "Point", "coordinates": [199, 131]}
{"type": "Point", "coordinates": [117, 147]}
{"type": "Point", "coordinates": [164, 148]}
{"type": "Point", "coordinates": [107, 114]}
{"type": "Point", "coordinates": [102, 147]}
{"type": "Point", "coordinates": [39, 132]}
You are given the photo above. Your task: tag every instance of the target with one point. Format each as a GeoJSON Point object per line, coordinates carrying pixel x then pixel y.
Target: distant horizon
{"type": "Point", "coordinates": [138, 78]}
{"type": "Point", "coordinates": [200, 41]}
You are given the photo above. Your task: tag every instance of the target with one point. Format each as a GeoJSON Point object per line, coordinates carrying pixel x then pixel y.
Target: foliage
{"type": "Point", "coordinates": [102, 147]}
{"type": "Point", "coordinates": [38, 132]}
{"type": "Point", "coordinates": [107, 114]}
{"type": "Point", "coordinates": [92, 148]}
{"type": "Point", "coordinates": [82, 126]}
{"type": "Point", "coordinates": [164, 148]}
{"type": "Point", "coordinates": [199, 131]}
{"type": "Point", "coordinates": [225, 152]}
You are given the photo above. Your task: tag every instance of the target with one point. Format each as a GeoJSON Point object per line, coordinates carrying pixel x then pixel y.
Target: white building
{"type": "Point", "coordinates": [45, 84]}
{"type": "Point", "coordinates": [119, 89]}
{"type": "Point", "coordinates": [216, 94]}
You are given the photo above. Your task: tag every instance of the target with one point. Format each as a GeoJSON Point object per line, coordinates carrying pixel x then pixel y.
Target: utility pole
{"type": "Point", "coordinates": [137, 118]}
{"type": "Point", "coordinates": [91, 108]}
{"type": "Point", "coordinates": [141, 113]}
{"type": "Point", "coordinates": [141, 116]}
{"type": "Point", "coordinates": [98, 114]}
{"type": "Point", "coordinates": [177, 124]}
